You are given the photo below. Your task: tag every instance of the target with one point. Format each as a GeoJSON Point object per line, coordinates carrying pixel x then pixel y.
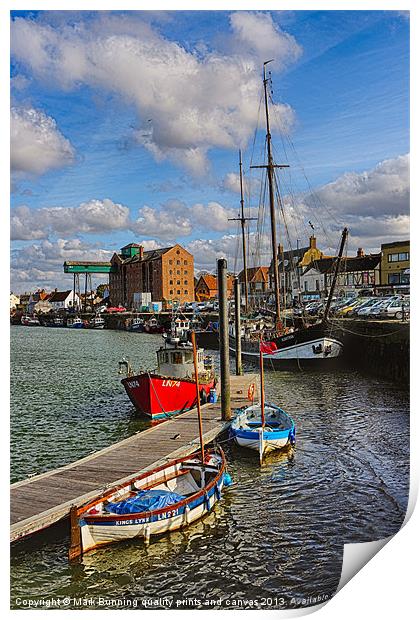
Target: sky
{"type": "Point", "coordinates": [126, 126]}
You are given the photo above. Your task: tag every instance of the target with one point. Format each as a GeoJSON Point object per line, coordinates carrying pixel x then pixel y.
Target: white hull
{"type": "Point", "coordinates": [326, 348]}
{"type": "Point", "coordinates": [269, 445]}
{"type": "Point", "coordinates": [97, 536]}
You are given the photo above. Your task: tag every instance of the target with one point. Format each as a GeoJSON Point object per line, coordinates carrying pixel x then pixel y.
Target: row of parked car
{"type": "Point", "coordinates": [391, 307]}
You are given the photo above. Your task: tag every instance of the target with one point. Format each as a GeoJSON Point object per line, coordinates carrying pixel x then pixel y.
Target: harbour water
{"type": "Point", "coordinates": [276, 538]}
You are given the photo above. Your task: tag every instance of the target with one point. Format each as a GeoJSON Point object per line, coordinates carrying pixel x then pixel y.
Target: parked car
{"type": "Point", "coordinates": [396, 309]}
{"type": "Point", "coordinates": [364, 310]}
{"type": "Point", "coordinates": [368, 303]}
{"type": "Point", "coordinates": [358, 301]}
{"type": "Point", "coordinates": [375, 311]}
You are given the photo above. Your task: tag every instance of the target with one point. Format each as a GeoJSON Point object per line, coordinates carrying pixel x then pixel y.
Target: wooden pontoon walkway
{"type": "Point", "coordinates": [38, 502]}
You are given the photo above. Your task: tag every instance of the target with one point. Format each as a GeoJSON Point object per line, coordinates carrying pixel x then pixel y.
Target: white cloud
{"type": "Point", "coordinates": [36, 143]}
{"type": "Point", "coordinates": [188, 101]}
{"type": "Point", "coordinates": [41, 265]}
{"type": "Point", "coordinates": [95, 216]}
{"type": "Point", "coordinates": [384, 190]}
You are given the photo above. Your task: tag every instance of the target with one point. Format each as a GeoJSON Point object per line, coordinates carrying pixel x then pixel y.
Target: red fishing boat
{"type": "Point", "coordinates": [171, 389]}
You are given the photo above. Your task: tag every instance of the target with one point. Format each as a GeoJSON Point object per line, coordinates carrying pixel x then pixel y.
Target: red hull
{"type": "Point", "coordinates": [159, 397]}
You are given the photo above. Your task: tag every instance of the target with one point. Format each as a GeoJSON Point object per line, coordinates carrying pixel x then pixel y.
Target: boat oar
{"type": "Point", "coordinates": [197, 388]}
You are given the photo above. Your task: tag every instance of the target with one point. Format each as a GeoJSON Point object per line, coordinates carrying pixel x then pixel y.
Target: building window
{"type": "Point", "coordinates": [178, 273]}
{"type": "Point", "coordinates": [171, 292]}
{"type": "Point", "coordinates": [170, 261]}
{"type": "Point", "coordinates": [178, 282]}
{"type": "Point", "coordinates": [178, 292]}
{"type": "Point", "coordinates": [178, 262]}
{"type": "Point", "coordinates": [395, 258]}
{"type": "Point", "coordinates": [170, 272]}
{"type": "Point", "coordinates": [185, 292]}
{"type": "Point", "coordinates": [171, 281]}
{"type": "Point", "coordinates": [185, 272]}
{"type": "Point", "coordinates": [185, 262]}
{"type": "Point", "coordinates": [178, 252]}
{"type": "Point", "coordinates": [393, 278]}
{"type": "Point", "coordinates": [306, 286]}
{"type": "Point", "coordinates": [186, 282]}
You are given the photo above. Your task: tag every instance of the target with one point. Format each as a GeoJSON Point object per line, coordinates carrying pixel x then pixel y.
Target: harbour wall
{"type": "Point", "coordinates": [380, 348]}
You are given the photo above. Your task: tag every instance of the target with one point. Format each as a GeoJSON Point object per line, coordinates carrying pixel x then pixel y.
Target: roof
{"type": "Point", "coordinates": [394, 244]}
{"type": "Point", "coordinates": [252, 272]}
{"type": "Point", "coordinates": [59, 296]}
{"type": "Point", "coordinates": [211, 281]}
{"type": "Point", "coordinates": [354, 263]}
{"type": "Point", "coordinates": [147, 256]}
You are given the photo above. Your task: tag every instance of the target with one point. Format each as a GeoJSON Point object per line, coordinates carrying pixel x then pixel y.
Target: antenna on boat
{"type": "Point", "coordinates": [270, 166]}
{"type": "Point", "coordinates": [243, 221]}
{"type": "Point", "coordinates": [197, 388]}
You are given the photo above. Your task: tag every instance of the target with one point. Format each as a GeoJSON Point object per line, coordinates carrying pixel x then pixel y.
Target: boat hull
{"type": "Point", "coordinates": [312, 346]}
{"type": "Point", "coordinates": [100, 530]}
{"type": "Point", "coordinates": [159, 397]}
{"type": "Point", "coordinates": [261, 440]}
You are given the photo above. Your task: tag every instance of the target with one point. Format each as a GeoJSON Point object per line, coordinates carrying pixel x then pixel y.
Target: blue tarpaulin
{"type": "Point", "coordinates": [144, 501]}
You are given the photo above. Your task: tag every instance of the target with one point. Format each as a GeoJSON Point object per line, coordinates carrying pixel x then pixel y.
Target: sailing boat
{"type": "Point", "coordinates": [263, 427]}
{"type": "Point", "coordinates": [161, 500]}
{"type": "Point", "coordinates": [307, 344]}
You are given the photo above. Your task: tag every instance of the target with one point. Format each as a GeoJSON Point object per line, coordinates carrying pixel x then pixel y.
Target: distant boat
{"type": "Point", "coordinates": [167, 498]}
{"type": "Point", "coordinates": [29, 321]}
{"type": "Point", "coordinates": [75, 323]}
{"type": "Point", "coordinates": [97, 322]}
{"type": "Point", "coordinates": [137, 325]}
{"type": "Point", "coordinates": [152, 326]}
{"type": "Point", "coordinates": [170, 389]}
{"type": "Point", "coordinates": [57, 322]}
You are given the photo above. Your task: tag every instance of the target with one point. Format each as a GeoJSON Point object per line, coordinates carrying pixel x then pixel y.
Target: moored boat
{"type": "Point", "coordinates": [170, 389]}
{"type": "Point", "coordinates": [137, 325]}
{"type": "Point", "coordinates": [263, 427]}
{"type": "Point", "coordinates": [75, 323]}
{"type": "Point", "coordinates": [29, 321]}
{"type": "Point", "coordinates": [302, 344]}
{"type": "Point", "coordinates": [274, 433]}
{"type": "Point", "coordinates": [97, 322]}
{"type": "Point", "coordinates": [167, 498]}
{"type": "Point", "coordinates": [152, 326]}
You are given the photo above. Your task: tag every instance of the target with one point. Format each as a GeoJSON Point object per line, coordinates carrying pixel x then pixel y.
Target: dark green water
{"type": "Point", "coordinates": [277, 536]}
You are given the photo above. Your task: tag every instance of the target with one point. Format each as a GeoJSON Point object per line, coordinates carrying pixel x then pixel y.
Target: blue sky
{"type": "Point", "coordinates": [126, 127]}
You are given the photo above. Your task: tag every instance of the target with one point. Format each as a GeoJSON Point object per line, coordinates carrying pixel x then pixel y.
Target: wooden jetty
{"type": "Point", "coordinates": [38, 502]}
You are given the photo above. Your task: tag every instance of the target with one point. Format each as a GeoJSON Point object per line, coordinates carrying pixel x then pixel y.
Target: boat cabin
{"type": "Point", "coordinates": [179, 362]}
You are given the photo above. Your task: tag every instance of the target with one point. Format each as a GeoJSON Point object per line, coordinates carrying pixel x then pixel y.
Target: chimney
{"type": "Point", "coordinates": [312, 242]}
{"type": "Point", "coordinates": [280, 249]}
{"type": "Point", "coordinates": [360, 252]}
{"type": "Point", "coordinates": [141, 252]}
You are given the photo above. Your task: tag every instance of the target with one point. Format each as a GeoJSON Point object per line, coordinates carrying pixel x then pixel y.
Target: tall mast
{"type": "Point", "coordinates": [270, 174]}
{"type": "Point", "coordinates": [243, 221]}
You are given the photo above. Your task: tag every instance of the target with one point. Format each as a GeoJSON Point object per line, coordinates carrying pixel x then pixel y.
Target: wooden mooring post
{"type": "Point", "coordinates": [224, 339]}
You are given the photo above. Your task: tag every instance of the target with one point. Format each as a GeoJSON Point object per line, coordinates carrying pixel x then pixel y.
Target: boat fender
{"type": "Point", "coordinates": [292, 437]}
{"type": "Point", "coordinates": [227, 479]}
{"type": "Point", "coordinates": [207, 501]}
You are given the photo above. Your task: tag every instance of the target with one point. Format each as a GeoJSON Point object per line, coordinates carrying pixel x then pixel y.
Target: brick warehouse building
{"type": "Point", "coordinates": [166, 273]}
